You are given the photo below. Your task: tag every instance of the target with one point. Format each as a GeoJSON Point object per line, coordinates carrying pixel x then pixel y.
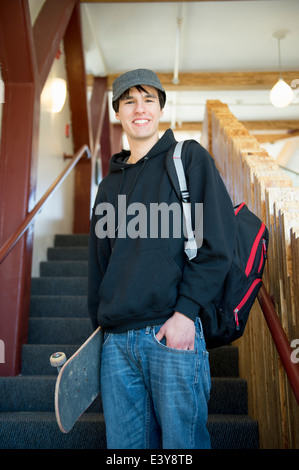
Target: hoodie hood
{"type": "Point", "coordinates": [118, 160]}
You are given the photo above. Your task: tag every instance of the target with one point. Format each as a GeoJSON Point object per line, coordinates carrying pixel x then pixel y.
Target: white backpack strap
{"type": "Point", "coordinates": [190, 244]}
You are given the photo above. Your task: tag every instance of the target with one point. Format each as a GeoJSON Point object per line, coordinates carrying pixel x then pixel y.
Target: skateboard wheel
{"type": "Point", "coordinates": [58, 359]}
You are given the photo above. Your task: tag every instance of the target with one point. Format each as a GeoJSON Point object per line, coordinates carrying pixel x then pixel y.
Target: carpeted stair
{"type": "Point", "coordinates": [59, 321]}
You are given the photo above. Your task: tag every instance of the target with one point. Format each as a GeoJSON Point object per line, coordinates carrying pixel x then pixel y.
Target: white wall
{"type": "Point", "coordinates": [57, 214]}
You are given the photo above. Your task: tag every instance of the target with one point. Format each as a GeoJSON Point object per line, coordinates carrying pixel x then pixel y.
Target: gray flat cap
{"type": "Point", "coordinates": [133, 78]}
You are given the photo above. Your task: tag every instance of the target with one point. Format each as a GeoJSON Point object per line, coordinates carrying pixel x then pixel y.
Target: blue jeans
{"type": "Point", "coordinates": [154, 396]}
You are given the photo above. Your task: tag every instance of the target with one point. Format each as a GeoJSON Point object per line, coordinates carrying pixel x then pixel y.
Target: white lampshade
{"type": "Point", "coordinates": [281, 94]}
{"type": "Point", "coordinates": [54, 95]}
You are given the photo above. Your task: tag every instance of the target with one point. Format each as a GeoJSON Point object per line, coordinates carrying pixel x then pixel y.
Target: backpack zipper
{"type": "Point", "coordinates": [253, 250]}
{"type": "Point", "coordinates": [243, 301]}
{"type": "Point", "coordinates": [239, 207]}
{"type": "Point", "coordinates": [263, 255]}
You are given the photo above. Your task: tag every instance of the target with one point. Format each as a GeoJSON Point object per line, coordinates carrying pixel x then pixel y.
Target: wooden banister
{"type": "Point", "coordinates": [280, 340]}
{"type": "Point", "coordinates": [15, 237]}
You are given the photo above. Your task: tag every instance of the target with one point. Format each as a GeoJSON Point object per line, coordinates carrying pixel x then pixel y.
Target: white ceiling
{"type": "Point", "coordinates": [216, 36]}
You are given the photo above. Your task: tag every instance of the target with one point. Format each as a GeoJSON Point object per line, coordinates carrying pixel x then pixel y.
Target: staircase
{"type": "Point", "coordinates": [59, 322]}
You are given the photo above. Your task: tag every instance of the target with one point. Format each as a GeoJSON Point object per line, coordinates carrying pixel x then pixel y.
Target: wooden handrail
{"type": "Point", "coordinates": [280, 339]}
{"type": "Point", "coordinates": [15, 237]}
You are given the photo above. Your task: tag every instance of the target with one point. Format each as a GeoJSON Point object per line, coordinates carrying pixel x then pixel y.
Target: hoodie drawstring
{"type": "Point", "coordinates": [137, 176]}
{"type": "Point", "coordinates": [130, 191]}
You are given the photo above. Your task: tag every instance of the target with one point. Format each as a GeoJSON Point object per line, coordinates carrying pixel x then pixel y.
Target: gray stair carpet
{"type": "Point", "coordinates": [59, 321]}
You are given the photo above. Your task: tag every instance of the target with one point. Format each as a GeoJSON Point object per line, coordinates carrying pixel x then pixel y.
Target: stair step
{"type": "Point", "coordinates": [59, 286]}
{"type": "Point", "coordinates": [28, 430]}
{"type": "Point", "coordinates": [40, 431]}
{"type": "Point", "coordinates": [224, 361]}
{"type": "Point", "coordinates": [67, 253]}
{"type": "Point", "coordinates": [36, 357]}
{"type": "Point", "coordinates": [59, 321]}
{"type": "Point", "coordinates": [59, 330]}
{"type": "Point", "coordinates": [233, 432]}
{"type": "Point", "coordinates": [228, 396]}
{"type": "Point", "coordinates": [74, 240]}
{"type": "Point", "coordinates": [68, 306]}
{"type": "Point", "coordinates": [64, 268]}
{"type": "Point", "coordinates": [35, 393]}
{"type": "Point", "coordinates": [26, 393]}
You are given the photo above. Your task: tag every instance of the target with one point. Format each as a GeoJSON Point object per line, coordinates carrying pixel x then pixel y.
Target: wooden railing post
{"type": "Point", "coordinates": [81, 125]}
{"type": "Point", "coordinates": [20, 123]}
{"type": "Point", "coordinates": [26, 55]}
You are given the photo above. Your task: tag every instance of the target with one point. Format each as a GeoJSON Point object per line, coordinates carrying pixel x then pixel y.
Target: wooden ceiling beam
{"type": "Point", "coordinates": [48, 32]}
{"type": "Point", "coordinates": [263, 131]}
{"type": "Point", "coordinates": [291, 126]}
{"type": "Point", "coordinates": [276, 125]}
{"type": "Point", "coordinates": [264, 138]}
{"type": "Point", "coordinates": [201, 81]}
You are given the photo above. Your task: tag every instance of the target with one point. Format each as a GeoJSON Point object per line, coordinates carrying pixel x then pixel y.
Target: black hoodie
{"type": "Point", "coordinates": [141, 275]}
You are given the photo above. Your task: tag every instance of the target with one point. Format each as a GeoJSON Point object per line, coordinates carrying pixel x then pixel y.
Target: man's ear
{"type": "Point", "coordinates": [117, 116]}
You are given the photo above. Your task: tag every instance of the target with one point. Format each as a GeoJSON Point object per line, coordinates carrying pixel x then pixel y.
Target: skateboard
{"type": "Point", "coordinates": [78, 381]}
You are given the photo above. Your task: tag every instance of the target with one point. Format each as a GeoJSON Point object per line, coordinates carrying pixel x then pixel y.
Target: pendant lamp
{"type": "Point", "coordinates": [281, 94]}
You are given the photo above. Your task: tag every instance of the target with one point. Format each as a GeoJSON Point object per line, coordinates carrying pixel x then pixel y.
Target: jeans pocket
{"type": "Point", "coordinates": [162, 345]}
{"type": "Point", "coordinates": [107, 337]}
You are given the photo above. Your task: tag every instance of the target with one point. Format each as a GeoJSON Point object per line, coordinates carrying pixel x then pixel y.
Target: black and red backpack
{"type": "Point", "coordinates": [225, 318]}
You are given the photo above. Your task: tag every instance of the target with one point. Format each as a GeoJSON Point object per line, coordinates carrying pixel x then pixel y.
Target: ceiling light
{"type": "Point", "coordinates": [281, 94]}
{"type": "Point", "coordinates": [54, 95]}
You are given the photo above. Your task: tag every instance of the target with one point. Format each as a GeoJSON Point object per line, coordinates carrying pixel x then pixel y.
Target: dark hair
{"type": "Point", "coordinates": [161, 95]}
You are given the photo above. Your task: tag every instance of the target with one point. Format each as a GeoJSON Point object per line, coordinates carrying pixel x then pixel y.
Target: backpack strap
{"type": "Point", "coordinates": [178, 180]}
{"type": "Point", "coordinates": [177, 160]}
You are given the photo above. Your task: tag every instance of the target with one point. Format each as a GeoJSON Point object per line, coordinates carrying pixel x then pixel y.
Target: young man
{"type": "Point", "coordinates": [143, 291]}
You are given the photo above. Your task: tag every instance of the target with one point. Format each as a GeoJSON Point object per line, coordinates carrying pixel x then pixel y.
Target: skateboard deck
{"type": "Point", "coordinates": [78, 381]}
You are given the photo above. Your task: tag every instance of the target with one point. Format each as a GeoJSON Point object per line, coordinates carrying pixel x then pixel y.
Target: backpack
{"type": "Point", "coordinates": [225, 318]}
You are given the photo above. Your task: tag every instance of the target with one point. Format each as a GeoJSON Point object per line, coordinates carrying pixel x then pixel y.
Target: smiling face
{"type": "Point", "coordinates": [139, 113]}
